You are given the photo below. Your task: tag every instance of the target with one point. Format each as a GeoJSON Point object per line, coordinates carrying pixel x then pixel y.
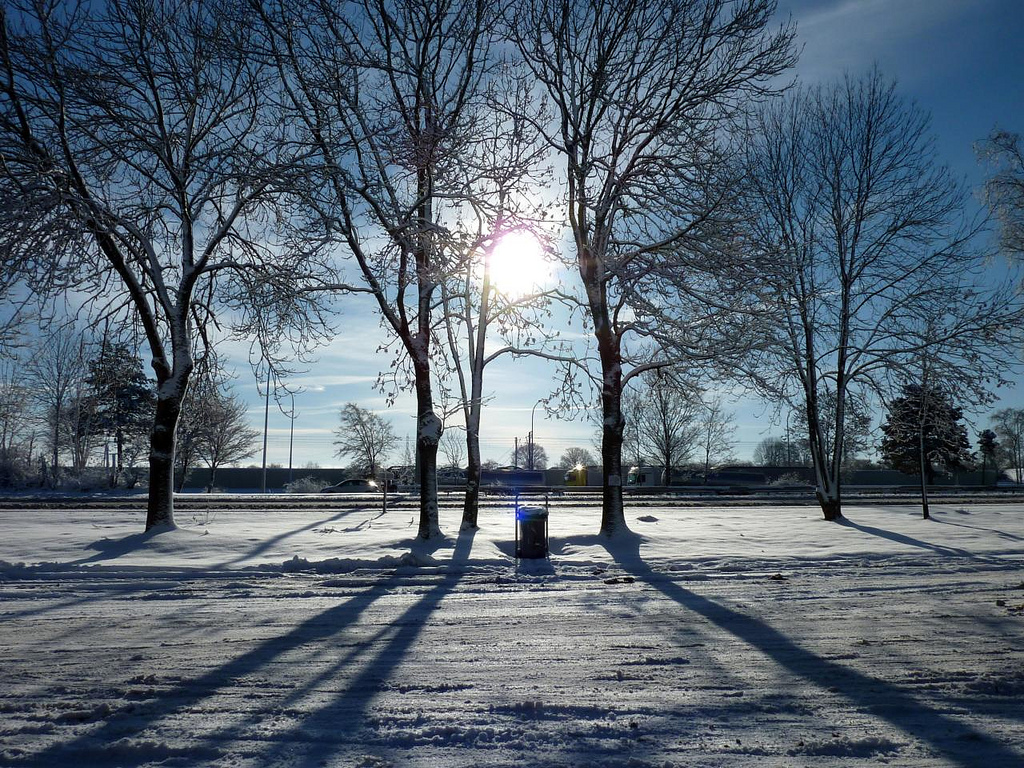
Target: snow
{"type": "Point", "coordinates": [319, 632]}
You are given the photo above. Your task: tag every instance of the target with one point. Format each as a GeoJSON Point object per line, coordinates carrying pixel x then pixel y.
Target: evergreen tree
{"type": "Point", "coordinates": [987, 446]}
{"type": "Point", "coordinates": [925, 419]}
{"type": "Point", "coordinates": [124, 400]}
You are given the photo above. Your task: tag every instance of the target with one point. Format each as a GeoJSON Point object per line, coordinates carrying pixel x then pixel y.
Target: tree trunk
{"type": "Point", "coordinates": [613, 517]}
{"type": "Point", "coordinates": [826, 473]}
{"type": "Point", "coordinates": [160, 510]}
{"type": "Point", "coordinates": [831, 507]}
{"type": "Point", "coordinates": [428, 436]}
{"type": "Point", "coordinates": [119, 440]}
{"type": "Point", "coordinates": [472, 502]}
{"type": "Point", "coordinates": [56, 448]}
{"type": "Point", "coordinates": [924, 475]}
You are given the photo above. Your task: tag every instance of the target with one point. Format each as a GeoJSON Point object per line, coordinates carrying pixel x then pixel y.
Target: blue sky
{"type": "Point", "coordinates": [960, 60]}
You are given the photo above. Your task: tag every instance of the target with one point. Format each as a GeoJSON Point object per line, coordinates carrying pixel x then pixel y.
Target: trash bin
{"type": "Point", "coordinates": [531, 532]}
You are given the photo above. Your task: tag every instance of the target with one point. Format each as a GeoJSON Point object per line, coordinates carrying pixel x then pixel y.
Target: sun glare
{"type": "Point", "coordinates": [518, 265]}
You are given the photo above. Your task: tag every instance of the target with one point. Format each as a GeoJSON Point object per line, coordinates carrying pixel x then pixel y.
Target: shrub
{"type": "Point", "coordinates": [304, 485]}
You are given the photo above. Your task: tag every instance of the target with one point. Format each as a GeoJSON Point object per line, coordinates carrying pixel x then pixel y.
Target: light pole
{"type": "Point", "coordinates": [789, 455]}
{"type": "Point", "coordinates": [266, 421]}
{"type": "Point", "coordinates": [533, 412]}
{"type": "Point", "coordinates": [291, 436]}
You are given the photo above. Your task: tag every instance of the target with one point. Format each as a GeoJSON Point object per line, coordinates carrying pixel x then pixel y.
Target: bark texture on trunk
{"type": "Point", "coordinates": [428, 437]}
{"type": "Point", "coordinates": [613, 516]}
{"type": "Point", "coordinates": [160, 509]}
{"type": "Point", "coordinates": [826, 470]}
{"type": "Point", "coordinates": [832, 507]}
{"type": "Point", "coordinates": [472, 501]}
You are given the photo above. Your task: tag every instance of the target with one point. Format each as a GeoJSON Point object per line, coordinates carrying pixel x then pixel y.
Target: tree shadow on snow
{"type": "Point", "coordinates": [964, 746]}
{"type": "Point", "coordinates": [330, 723]}
{"type": "Point", "coordinates": [312, 741]}
{"type": "Point", "coordinates": [266, 544]}
{"type": "Point", "coordinates": [111, 549]}
{"type": "Point", "coordinates": [910, 541]}
{"type": "Point", "coordinates": [938, 518]}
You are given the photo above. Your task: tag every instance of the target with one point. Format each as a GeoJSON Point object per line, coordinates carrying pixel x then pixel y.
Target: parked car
{"type": "Point", "coordinates": [353, 485]}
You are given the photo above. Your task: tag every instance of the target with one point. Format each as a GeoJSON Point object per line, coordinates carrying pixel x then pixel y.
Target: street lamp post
{"type": "Point", "coordinates": [291, 436]}
{"type": "Point", "coordinates": [533, 412]}
{"type": "Point", "coordinates": [266, 422]}
{"type": "Point", "coordinates": [789, 451]}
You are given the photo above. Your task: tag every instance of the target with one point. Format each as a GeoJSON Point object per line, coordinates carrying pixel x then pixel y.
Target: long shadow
{"type": "Point", "coordinates": [347, 712]}
{"type": "Point", "coordinates": [1001, 534]}
{"type": "Point", "coordinates": [266, 544]}
{"type": "Point", "coordinates": [883, 699]}
{"type": "Point", "coordinates": [111, 549]}
{"type": "Point", "coordinates": [191, 692]}
{"type": "Point", "coordinates": [116, 592]}
{"type": "Point", "coordinates": [910, 541]}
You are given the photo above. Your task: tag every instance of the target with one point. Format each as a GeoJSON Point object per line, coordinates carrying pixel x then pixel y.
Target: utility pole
{"type": "Point", "coordinates": [266, 421]}
{"type": "Point", "coordinates": [291, 436]}
{"type": "Point", "coordinates": [789, 453]}
{"type": "Point", "coordinates": [515, 455]}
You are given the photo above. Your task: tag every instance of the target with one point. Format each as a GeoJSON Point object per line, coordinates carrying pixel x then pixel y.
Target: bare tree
{"type": "Point", "coordinates": [1009, 425]}
{"type": "Point", "coordinates": [642, 93]}
{"type": "Point", "coordinates": [861, 242]}
{"type": "Point", "coordinates": [227, 437]}
{"type": "Point", "coordinates": [453, 447]}
{"type": "Point", "coordinates": [575, 457]}
{"type": "Point", "coordinates": [772, 452]}
{"type": "Point", "coordinates": [504, 174]}
{"type": "Point", "coordinates": [365, 436]}
{"type": "Point", "coordinates": [715, 430]}
{"type": "Point", "coordinates": [386, 96]}
{"type": "Point", "coordinates": [856, 432]}
{"type": "Point", "coordinates": [1004, 191]}
{"type": "Point", "coordinates": [214, 426]}
{"type": "Point", "coordinates": [189, 435]}
{"type": "Point", "coordinates": [143, 168]}
{"type": "Point", "coordinates": [530, 455]}
{"type": "Point", "coordinates": [56, 372]}
{"type": "Point", "coordinates": [83, 430]}
{"type": "Point", "coordinates": [17, 429]}
{"type": "Point", "coordinates": [667, 423]}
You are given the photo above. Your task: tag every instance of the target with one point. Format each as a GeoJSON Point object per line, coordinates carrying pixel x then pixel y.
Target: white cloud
{"type": "Point", "coordinates": [849, 35]}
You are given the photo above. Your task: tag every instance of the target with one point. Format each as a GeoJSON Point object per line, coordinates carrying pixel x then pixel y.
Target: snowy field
{"type": "Point", "coordinates": [322, 635]}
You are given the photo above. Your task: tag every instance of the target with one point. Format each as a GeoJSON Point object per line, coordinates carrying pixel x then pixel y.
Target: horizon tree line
{"type": "Point", "coordinates": [807, 243]}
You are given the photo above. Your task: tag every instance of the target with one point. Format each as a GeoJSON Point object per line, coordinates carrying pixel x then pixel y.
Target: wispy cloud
{"type": "Point", "coordinates": [848, 35]}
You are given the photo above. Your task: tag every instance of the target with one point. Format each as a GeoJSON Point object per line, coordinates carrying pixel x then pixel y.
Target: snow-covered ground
{"type": "Point", "coordinates": [325, 636]}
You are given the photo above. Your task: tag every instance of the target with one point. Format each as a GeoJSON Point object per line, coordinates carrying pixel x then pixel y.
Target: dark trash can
{"type": "Point", "coordinates": [531, 532]}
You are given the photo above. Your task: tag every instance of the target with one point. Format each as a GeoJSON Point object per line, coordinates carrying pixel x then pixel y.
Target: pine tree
{"type": "Point", "coordinates": [124, 400]}
{"type": "Point", "coordinates": [987, 446]}
{"type": "Point", "coordinates": [925, 419]}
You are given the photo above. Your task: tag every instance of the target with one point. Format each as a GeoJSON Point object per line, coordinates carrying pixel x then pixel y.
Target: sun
{"type": "Point", "coordinates": [518, 266]}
